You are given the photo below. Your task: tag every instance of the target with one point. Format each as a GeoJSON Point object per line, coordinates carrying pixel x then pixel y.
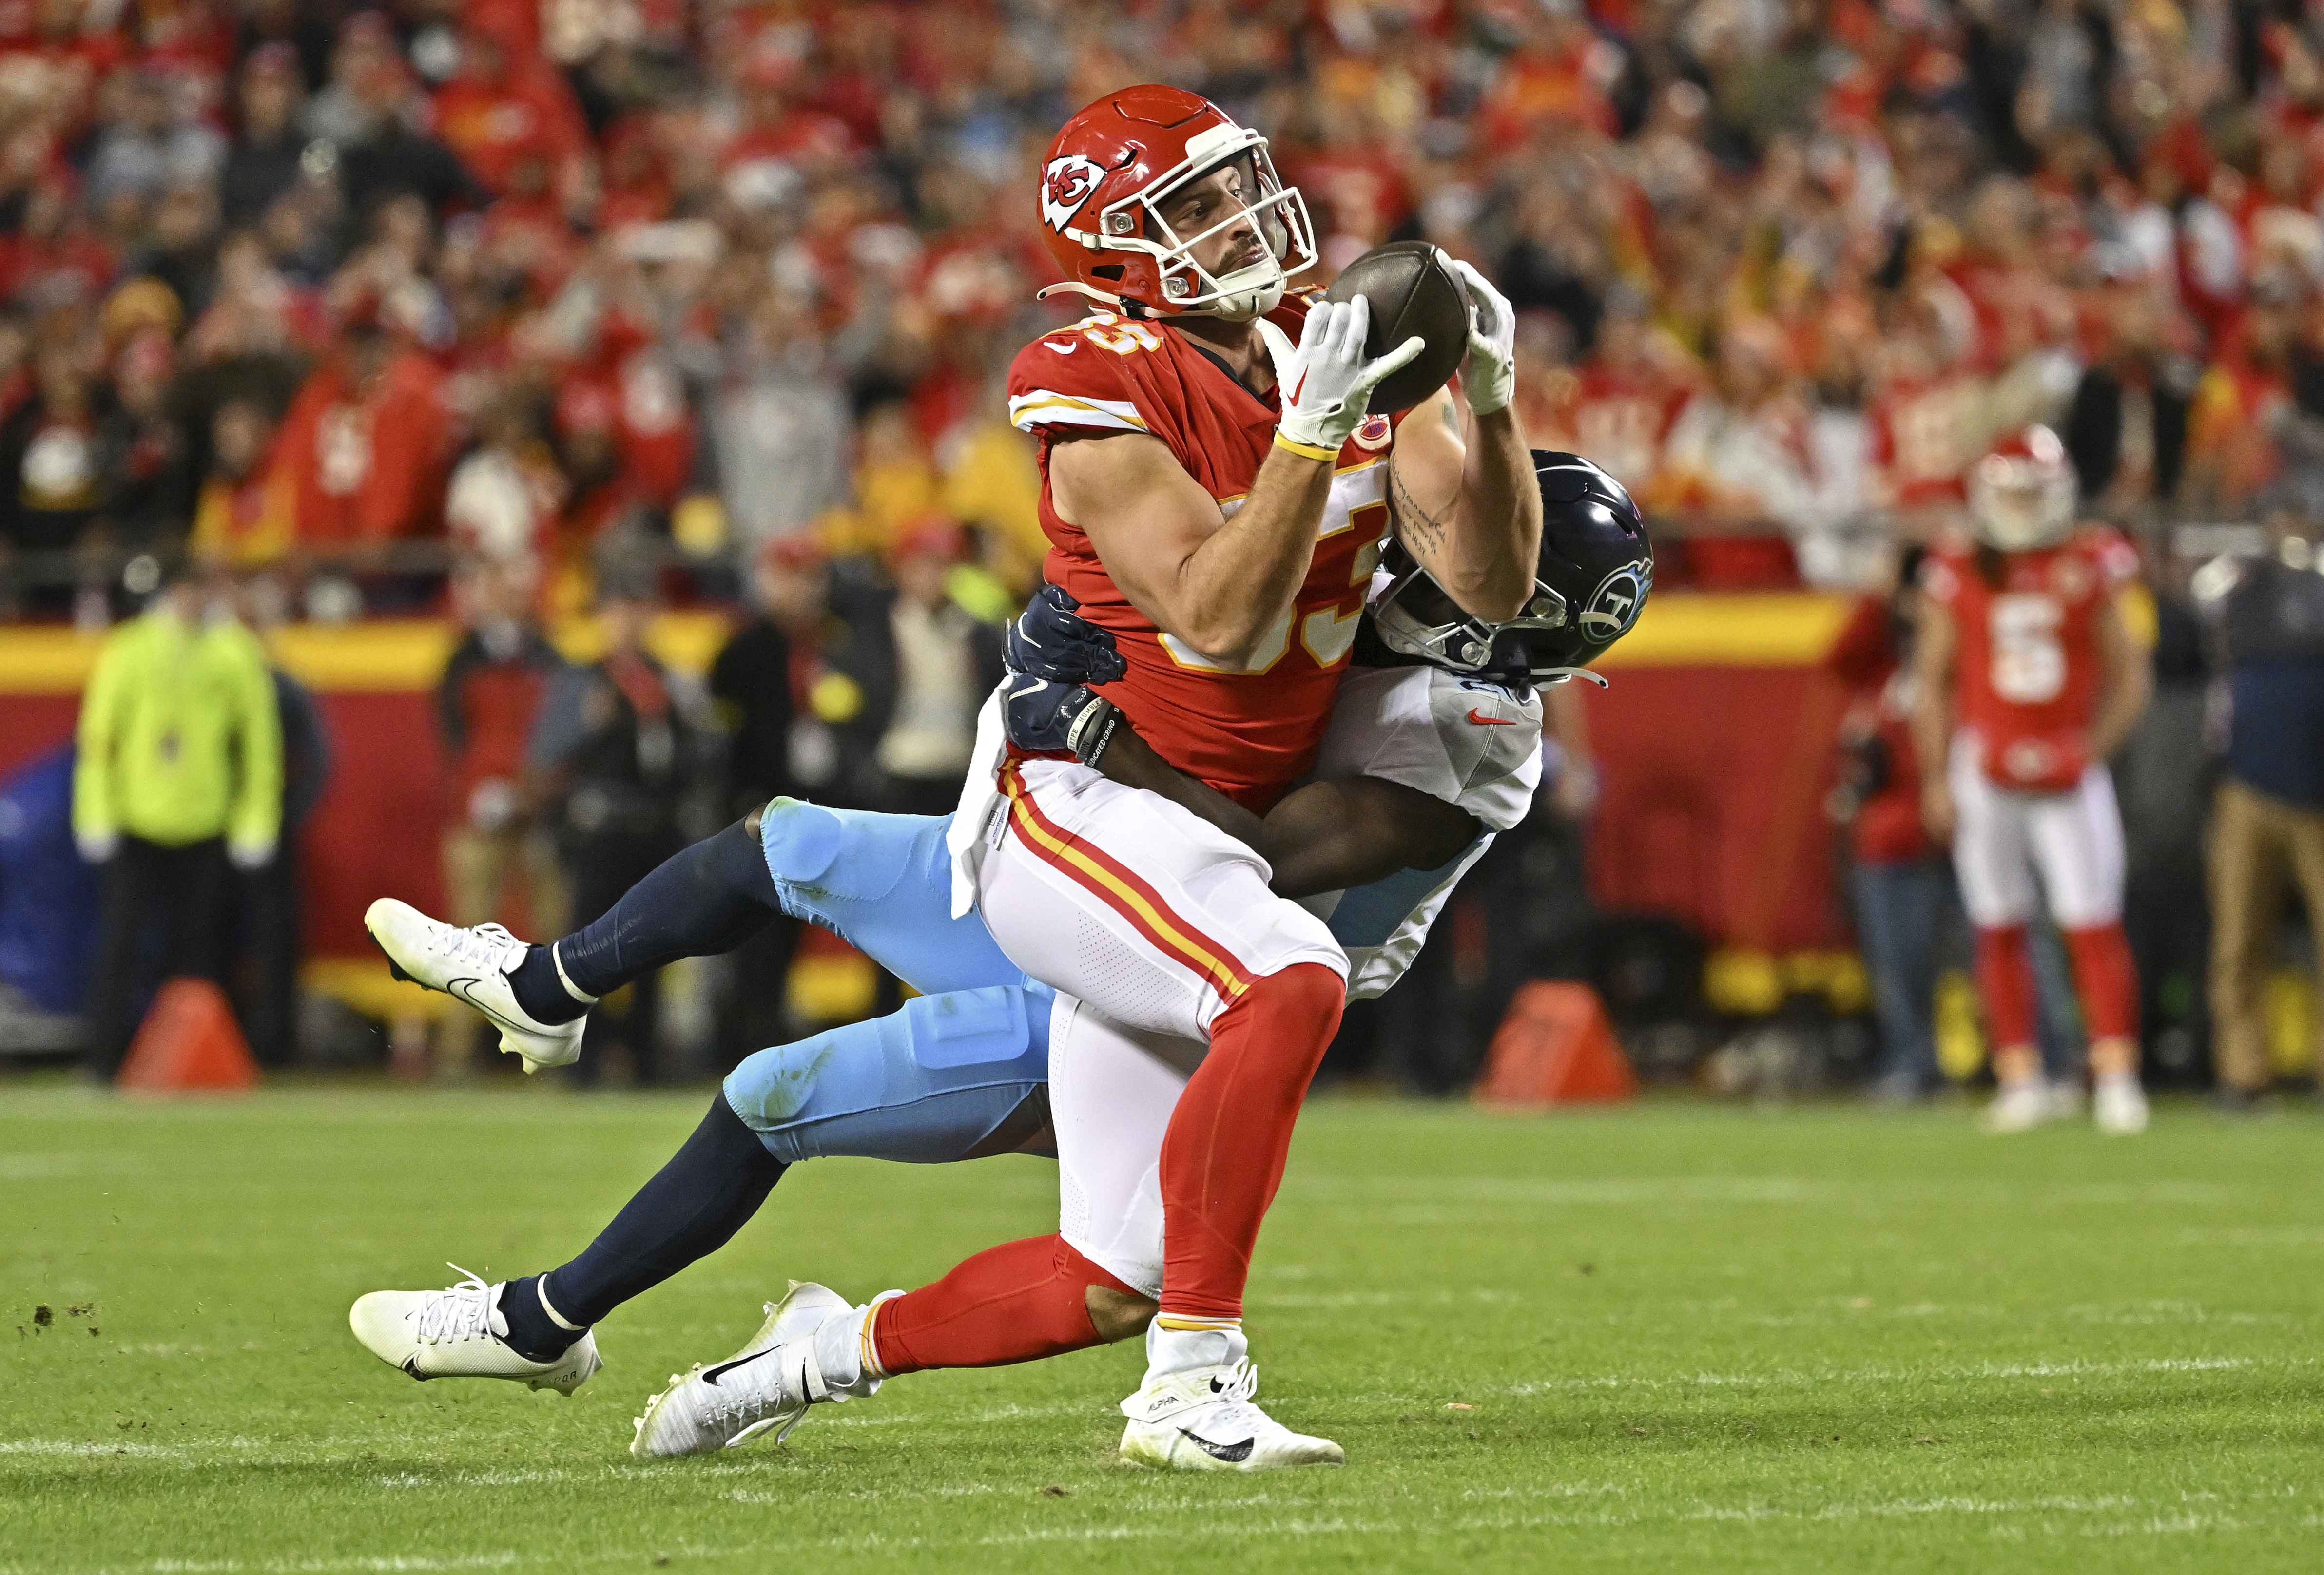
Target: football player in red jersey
{"type": "Point", "coordinates": [2029, 679]}
{"type": "Point", "coordinates": [1216, 496]}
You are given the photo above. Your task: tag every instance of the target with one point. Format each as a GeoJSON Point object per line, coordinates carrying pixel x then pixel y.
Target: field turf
{"type": "Point", "coordinates": [1671, 1337]}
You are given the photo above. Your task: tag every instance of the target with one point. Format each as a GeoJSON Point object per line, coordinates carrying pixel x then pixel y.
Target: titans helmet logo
{"type": "Point", "coordinates": [1614, 605]}
{"type": "Point", "coordinates": [1066, 185]}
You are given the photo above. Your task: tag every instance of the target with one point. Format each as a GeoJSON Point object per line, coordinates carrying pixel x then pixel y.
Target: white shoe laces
{"type": "Point", "coordinates": [483, 947]}
{"type": "Point", "coordinates": [1242, 1382]}
{"type": "Point", "coordinates": [749, 1403]}
{"type": "Point", "coordinates": [463, 1311]}
{"type": "Point", "coordinates": [1232, 1408]}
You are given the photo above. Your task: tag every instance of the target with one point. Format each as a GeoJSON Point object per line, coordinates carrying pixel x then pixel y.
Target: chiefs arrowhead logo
{"type": "Point", "coordinates": [1066, 185]}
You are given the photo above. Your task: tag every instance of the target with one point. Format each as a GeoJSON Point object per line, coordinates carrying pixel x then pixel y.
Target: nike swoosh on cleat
{"type": "Point", "coordinates": [411, 1365]}
{"type": "Point", "coordinates": [1483, 721]}
{"type": "Point", "coordinates": [1233, 1454]}
{"type": "Point", "coordinates": [710, 1375]}
{"type": "Point", "coordinates": [459, 987]}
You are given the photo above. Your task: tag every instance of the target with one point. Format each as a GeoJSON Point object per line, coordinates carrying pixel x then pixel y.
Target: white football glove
{"type": "Point", "coordinates": [1326, 381]}
{"type": "Point", "coordinates": [1488, 375]}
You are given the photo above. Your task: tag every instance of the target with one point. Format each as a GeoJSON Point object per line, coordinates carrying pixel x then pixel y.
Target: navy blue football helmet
{"type": "Point", "coordinates": [1597, 568]}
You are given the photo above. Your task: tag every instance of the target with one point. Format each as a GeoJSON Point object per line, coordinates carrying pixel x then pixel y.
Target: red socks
{"type": "Point", "coordinates": [1223, 1156]}
{"type": "Point", "coordinates": [2005, 977]}
{"type": "Point", "coordinates": [2106, 980]}
{"type": "Point", "coordinates": [1016, 1302]}
{"type": "Point", "coordinates": [1221, 1165]}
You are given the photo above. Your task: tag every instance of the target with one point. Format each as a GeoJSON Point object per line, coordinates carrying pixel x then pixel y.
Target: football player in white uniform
{"type": "Point", "coordinates": [1434, 747]}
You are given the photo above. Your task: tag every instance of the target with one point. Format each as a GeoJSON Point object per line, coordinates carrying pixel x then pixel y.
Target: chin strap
{"type": "Point", "coordinates": [1112, 303]}
{"type": "Point", "coordinates": [1548, 675]}
{"type": "Point", "coordinates": [1131, 308]}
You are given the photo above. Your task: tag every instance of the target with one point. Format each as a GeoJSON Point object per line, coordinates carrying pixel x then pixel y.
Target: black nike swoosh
{"type": "Point", "coordinates": [1233, 1454]}
{"type": "Point", "coordinates": [710, 1375]}
{"type": "Point", "coordinates": [458, 986]}
{"type": "Point", "coordinates": [411, 1365]}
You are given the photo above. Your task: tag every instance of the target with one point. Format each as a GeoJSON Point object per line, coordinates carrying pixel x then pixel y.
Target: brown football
{"type": "Point", "coordinates": [1411, 292]}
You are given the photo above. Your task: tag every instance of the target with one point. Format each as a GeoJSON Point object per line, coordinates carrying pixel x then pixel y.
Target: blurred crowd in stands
{"type": "Point", "coordinates": [506, 310]}
{"type": "Point", "coordinates": [346, 292]}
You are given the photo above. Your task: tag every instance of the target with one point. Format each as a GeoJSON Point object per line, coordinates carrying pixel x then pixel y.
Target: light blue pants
{"type": "Point", "coordinates": [928, 1083]}
{"type": "Point", "coordinates": [925, 1084]}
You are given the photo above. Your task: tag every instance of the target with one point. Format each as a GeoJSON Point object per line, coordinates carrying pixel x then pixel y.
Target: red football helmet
{"type": "Point", "coordinates": [2022, 494]}
{"type": "Point", "coordinates": [1103, 182]}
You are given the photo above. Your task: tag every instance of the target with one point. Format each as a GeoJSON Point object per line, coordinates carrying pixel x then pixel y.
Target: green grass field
{"type": "Point", "coordinates": [1669, 1337]}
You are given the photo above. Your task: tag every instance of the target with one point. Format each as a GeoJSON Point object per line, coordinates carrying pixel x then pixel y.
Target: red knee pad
{"type": "Point", "coordinates": [2004, 979]}
{"type": "Point", "coordinates": [2106, 980]}
{"type": "Point", "coordinates": [1016, 1302]}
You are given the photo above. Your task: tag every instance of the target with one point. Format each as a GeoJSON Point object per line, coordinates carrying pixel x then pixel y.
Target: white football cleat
{"type": "Point", "coordinates": [767, 1385]}
{"type": "Point", "coordinates": [459, 1333]}
{"type": "Point", "coordinates": [1203, 1419]}
{"type": "Point", "coordinates": [2118, 1107]}
{"type": "Point", "coordinates": [2020, 1106]}
{"type": "Point", "coordinates": [473, 966]}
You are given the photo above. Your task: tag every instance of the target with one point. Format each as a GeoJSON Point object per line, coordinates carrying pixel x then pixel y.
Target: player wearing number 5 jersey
{"type": "Point", "coordinates": [2029, 679]}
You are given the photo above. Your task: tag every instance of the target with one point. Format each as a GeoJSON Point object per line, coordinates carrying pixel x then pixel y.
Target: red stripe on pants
{"type": "Point", "coordinates": [1115, 884]}
{"type": "Point", "coordinates": [1222, 1157]}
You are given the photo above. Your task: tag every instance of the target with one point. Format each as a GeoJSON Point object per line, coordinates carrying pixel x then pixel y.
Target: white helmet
{"type": "Point", "coordinates": [2022, 494]}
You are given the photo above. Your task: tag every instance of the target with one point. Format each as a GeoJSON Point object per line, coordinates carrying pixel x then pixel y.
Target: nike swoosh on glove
{"type": "Point", "coordinates": [1489, 374]}
{"type": "Point", "coordinates": [1328, 383]}
{"type": "Point", "coordinates": [1044, 716]}
{"type": "Point", "coordinates": [1050, 639]}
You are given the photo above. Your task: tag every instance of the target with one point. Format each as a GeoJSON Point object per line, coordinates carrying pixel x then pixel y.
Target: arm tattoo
{"type": "Point", "coordinates": [1419, 530]}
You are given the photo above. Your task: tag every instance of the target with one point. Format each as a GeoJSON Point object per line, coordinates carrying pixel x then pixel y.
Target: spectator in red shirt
{"type": "Point", "coordinates": [503, 105]}
{"type": "Point", "coordinates": [370, 440]}
{"type": "Point", "coordinates": [1899, 878]}
{"type": "Point", "coordinates": [485, 704]}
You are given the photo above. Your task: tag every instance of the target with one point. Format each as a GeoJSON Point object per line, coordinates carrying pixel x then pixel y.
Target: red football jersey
{"type": "Point", "coordinates": [2025, 676]}
{"type": "Point", "coordinates": [1252, 732]}
{"type": "Point", "coordinates": [1925, 437]}
{"type": "Point", "coordinates": [1619, 420]}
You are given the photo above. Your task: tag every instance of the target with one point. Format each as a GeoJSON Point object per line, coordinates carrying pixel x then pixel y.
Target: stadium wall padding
{"type": "Point", "coordinates": [1714, 743]}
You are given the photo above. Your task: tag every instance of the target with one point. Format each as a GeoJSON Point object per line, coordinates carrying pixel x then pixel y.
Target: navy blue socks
{"type": "Point", "coordinates": [690, 1208]}
{"type": "Point", "coordinates": [708, 899]}
{"type": "Point", "coordinates": [538, 990]}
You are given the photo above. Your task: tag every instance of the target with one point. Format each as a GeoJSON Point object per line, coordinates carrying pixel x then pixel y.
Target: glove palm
{"type": "Point", "coordinates": [1325, 381]}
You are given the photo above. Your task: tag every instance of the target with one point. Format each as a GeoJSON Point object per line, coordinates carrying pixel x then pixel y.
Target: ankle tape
{"type": "Point", "coordinates": [867, 1344]}
{"type": "Point", "coordinates": [566, 979]}
{"type": "Point", "coordinates": [541, 1289]}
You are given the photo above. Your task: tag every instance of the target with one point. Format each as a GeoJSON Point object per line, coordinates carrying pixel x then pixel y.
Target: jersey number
{"type": "Point", "coordinates": [1119, 334]}
{"type": "Point", "coordinates": [2029, 659]}
{"type": "Point", "coordinates": [1326, 633]}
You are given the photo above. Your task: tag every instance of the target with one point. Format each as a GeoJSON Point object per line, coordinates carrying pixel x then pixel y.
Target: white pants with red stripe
{"type": "Point", "coordinates": [2003, 835]}
{"type": "Point", "coordinates": [1111, 1091]}
{"type": "Point", "coordinates": [1123, 899]}
{"type": "Point", "coordinates": [1149, 921]}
